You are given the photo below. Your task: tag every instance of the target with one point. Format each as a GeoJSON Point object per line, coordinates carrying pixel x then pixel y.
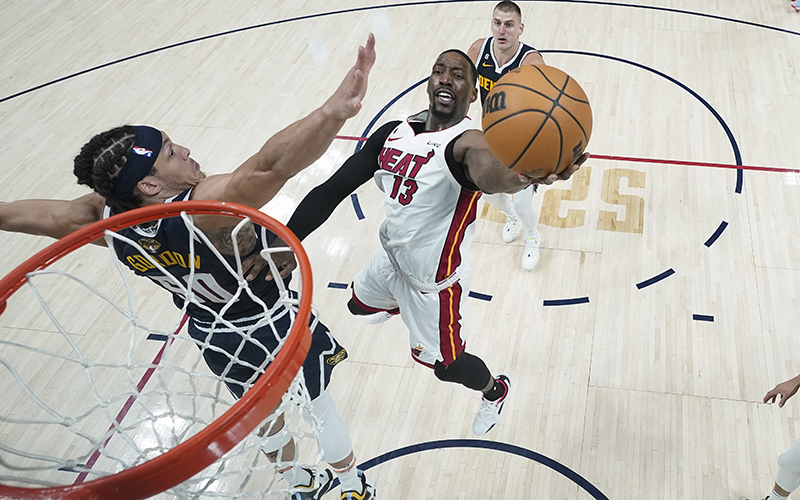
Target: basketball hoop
{"type": "Point", "coordinates": [187, 458]}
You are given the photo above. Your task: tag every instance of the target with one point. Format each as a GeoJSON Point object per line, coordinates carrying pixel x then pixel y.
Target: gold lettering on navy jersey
{"type": "Point", "coordinates": [391, 160]}
{"type": "Point", "coordinates": [485, 83]}
{"type": "Point", "coordinates": [166, 259]}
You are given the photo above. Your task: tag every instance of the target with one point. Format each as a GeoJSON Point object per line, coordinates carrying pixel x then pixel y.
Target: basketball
{"type": "Point", "coordinates": [537, 119]}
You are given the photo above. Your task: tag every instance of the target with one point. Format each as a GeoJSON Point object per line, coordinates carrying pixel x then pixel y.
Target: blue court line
{"type": "Point", "coordinates": [548, 462]}
{"type": "Point", "coordinates": [716, 234]}
{"type": "Point", "coordinates": [566, 302]}
{"type": "Point", "coordinates": [702, 317]}
{"type": "Point", "coordinates": [480, 296]}
{"type": "Point", "coordinates": [357, 206]}
{"type": "Point", "coordinates": [666, 274]}
{"type": "Point", "coordinates": [341, 286]}
{"type": "Point", "coordinates": [156, 336]}
{"type": "Point", "coordinates": [736, 152]}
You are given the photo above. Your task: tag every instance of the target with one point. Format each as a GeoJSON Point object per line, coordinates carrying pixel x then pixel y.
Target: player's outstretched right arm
{"type": "Point", "coordinates": [53, 218]}
{"type": "Point", "coordinates": [481, 166]}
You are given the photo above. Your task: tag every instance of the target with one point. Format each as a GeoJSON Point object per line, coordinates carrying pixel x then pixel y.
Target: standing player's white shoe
{"type": "Point", "coordinates": [511, 229]}
{"type": "Point", "coordinates": [530, 256]}
{"type": "Point", "coordinates": [489, 412]}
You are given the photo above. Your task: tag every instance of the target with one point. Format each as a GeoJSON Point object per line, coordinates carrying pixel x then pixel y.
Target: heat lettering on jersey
{"type": "Point", "coordinates": [166, 259]}
{"type": "Point", "coordinates": [391, 160]}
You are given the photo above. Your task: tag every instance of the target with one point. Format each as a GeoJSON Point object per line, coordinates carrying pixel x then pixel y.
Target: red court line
{"type": "Point", "coordinates": [129, 403]}
{"type": "Point", "coordinates": [653, 160]}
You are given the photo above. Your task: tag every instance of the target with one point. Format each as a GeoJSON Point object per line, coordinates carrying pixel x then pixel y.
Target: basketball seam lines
{"type": "Point", "coordinates": [548, 116]}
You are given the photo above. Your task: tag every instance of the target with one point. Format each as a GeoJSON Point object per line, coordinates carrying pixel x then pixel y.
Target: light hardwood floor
{"type": "Point", "coordinates": [627, 390]}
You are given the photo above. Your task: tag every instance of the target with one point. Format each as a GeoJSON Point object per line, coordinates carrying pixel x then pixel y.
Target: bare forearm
{"type": "Point", "coordinates": [53, 218]}
{"type": "Point", "coordinates": [491, 177]}
{"type": "Point", "coordinates": [300, 144]}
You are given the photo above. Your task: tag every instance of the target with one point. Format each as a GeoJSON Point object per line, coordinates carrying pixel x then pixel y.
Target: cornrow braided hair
{"type": "Point", "coordinates": [100, 162]}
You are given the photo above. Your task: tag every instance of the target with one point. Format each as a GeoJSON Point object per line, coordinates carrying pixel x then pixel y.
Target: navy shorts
{"type": "Point", "coordinates": [324, 354]}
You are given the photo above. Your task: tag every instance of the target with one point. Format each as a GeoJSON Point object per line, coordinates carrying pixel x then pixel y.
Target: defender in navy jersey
{"type": "Point", "coordinates": [129, 167]}
{"type": "Point", "coordinates": [432, 168]}
{"type": "Point", "coordinates": [494, 57]}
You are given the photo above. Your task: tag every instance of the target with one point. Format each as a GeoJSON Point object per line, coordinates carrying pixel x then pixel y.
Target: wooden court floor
{"type": "Point", "coordinates": [686, 278]}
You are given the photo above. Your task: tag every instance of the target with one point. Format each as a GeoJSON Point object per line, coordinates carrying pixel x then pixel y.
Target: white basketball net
{"type": "Point", "coordinates": [98, 376]}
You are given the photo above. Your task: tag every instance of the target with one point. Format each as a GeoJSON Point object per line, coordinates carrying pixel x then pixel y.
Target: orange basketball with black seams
{"type": "Point", "coordinates": [537, 120]}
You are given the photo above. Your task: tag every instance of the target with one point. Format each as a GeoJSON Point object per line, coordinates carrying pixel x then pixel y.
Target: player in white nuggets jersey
{"type": "Point", "coordinates": [432, 168]}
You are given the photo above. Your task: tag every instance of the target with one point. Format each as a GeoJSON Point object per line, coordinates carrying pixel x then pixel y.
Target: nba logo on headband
{"type": "Point", "coordinates": [142, 151]}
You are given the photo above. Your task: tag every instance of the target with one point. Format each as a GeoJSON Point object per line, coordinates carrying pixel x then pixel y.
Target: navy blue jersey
{"type": "Point", "coordinates": [488, 69]}
{"type": "Point", "coordinates": [167, 242]}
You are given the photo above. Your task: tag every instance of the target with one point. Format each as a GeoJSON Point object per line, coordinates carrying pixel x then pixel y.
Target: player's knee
{"type": "Point", "coordinates": [355, 309]}
{"type": "Point", "coordinates": [467, 370]}
{"type": "Point", "coordinates": [443, 372]}
{"type": "Point", "coordinates": [334, 439]}
{"type": "Point", "coordinates": [788, 476]}
{"type": "Point", "coordinates": [274, 436]}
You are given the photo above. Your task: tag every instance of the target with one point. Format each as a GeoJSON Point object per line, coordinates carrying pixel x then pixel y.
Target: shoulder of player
{"type": "Point", "coordinates": [532, 58]}
{"type": "Point", "coordinates": [474, 50]}
{"type": "Point", "coordinates": [214, 187]}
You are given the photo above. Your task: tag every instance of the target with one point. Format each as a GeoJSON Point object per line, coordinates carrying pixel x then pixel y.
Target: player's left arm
{"type": "Point", "coordinates": [53, 218]}
{"type": "Point", "coordinates": [486, 172]}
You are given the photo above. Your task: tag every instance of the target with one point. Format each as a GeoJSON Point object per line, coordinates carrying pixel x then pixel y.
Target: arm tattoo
{"type": "Point", "coordinates": [222, 238]}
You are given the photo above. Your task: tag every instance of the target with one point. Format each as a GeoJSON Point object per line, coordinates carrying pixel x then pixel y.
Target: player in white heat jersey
{"type": "Point", "coordinates": [432, 168]}
{"type": "Point", "coordinates": [429, 212]}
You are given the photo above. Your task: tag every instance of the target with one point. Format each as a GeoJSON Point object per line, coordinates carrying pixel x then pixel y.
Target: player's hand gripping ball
{"type": "Point", "coordinates": [537, 120]}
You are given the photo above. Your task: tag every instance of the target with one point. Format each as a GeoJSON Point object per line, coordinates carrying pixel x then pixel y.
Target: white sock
{"type": "Point", "coordinates": [296, 476]}
{"type": "Point", "coordinates": [348, 476]}
{"type": "Point", "coordinates": [773, 495]}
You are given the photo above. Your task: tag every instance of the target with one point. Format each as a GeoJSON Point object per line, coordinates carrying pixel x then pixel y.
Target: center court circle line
{"type": "Point", "coordinates": [548, 462]}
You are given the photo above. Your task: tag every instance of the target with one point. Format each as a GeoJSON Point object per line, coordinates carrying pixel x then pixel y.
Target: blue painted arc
{"type": "Point", "coordinates": [548, 462]}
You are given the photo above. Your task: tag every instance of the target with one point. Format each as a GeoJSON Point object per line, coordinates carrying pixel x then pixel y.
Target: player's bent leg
{"type": "Point", "coordinates": [472, 372]}
{"type": "Point", "coordinates": [372, 315]}
{"type": "Point", "coordinates": [529, 220]}
{"type": "Point", "coordinates": [467, 370]}
{"type": "Point", "coordinates": [337, 449]}
{"type": "Point", "coordinates": [279, 447]}
{"type": "Point", "coordinates": [372, 295]}
{"type": "Point", "coordinates": [502, 202]}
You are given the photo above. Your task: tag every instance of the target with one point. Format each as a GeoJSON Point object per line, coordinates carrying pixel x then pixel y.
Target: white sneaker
{"type": "Point", "coordinates": [511, 229]}
{"type": "Point", "coordinates": [489, 412]}
{"type": "Point", "coordinates": [530, 257]}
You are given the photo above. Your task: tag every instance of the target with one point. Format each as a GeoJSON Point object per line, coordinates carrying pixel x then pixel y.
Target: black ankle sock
{"type": "Point", "coordinates": [497, 391]}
